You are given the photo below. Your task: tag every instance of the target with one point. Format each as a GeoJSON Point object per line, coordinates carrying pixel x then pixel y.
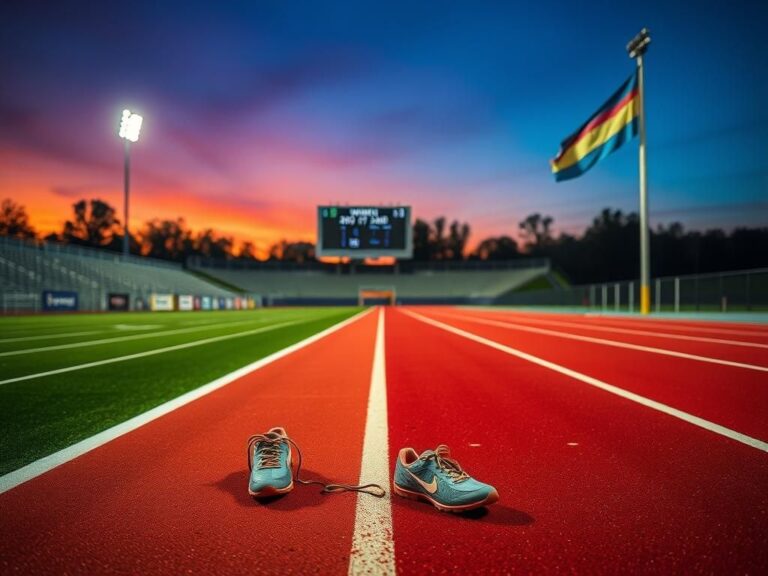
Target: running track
{"type": "Point", "coordinates": [590, 481]}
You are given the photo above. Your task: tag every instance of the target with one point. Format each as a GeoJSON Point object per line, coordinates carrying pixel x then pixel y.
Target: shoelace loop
{"type": "Point", "coordinates": [441, 455]}
{"type": "Point", "coordinates": [270, 458]}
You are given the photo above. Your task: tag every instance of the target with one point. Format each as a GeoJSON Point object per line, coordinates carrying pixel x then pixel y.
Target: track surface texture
{"type": "Point", "coordinates": [591, 479]}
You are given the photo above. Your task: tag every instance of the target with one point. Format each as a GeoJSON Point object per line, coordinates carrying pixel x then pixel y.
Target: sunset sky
{"type": "Point", "coordinates": [256, 111]}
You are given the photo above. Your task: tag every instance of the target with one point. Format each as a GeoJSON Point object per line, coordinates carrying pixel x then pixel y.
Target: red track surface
{"type": "Point", "coordinates": [589, 481]}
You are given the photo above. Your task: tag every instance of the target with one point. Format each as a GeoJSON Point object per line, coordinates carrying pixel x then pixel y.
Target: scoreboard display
{"type": "Point", "coordinates": [364, 231]}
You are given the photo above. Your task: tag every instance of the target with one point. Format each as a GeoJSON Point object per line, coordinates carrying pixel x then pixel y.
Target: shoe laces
{"type": "Point", "coordinates": [268, 446]}
{"type": "Point", "coordinates": [269, 457]}
{"type": "Point", "coordinates": [441, 456]}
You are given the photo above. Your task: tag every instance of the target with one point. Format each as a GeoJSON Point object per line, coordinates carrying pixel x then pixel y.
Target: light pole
{"type": "Point", "coordinates": [636, 48]}
{"type": "Point", "coordinates": [130, 126]}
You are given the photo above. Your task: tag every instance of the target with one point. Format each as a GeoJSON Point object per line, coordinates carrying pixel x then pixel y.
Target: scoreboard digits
{"type": "Point", "coordinates": [364, 231]}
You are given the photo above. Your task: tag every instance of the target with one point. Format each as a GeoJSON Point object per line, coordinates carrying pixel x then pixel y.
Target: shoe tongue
{"type": "Point", "coordinates": [277, 431]}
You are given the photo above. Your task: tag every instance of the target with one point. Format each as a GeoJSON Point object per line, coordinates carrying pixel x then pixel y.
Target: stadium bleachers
{"type": "Point", "coordinates": [27, 269]}
{"type": "Point", "coordinates": [317, 286]}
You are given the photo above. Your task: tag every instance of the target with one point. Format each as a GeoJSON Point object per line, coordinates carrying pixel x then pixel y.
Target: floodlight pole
{"type": "Point", "coordinates": [636, 48]}
{"type": "Point", "coordinates": [126, 189]}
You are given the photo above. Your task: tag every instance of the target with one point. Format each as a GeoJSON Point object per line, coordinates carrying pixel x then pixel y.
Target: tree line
{"type": "Point", "coordinates": [608, 250]}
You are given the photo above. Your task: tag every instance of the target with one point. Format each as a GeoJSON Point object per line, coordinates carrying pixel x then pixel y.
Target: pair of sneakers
{"type": "Point", "coordinates": [432, 476]}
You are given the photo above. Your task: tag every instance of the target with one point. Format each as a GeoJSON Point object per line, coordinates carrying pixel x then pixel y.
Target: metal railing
{"type": "Point", "coordinates": [744, 290]}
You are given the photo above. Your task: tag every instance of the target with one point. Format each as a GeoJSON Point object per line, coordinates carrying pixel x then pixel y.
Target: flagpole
{"type": "Point", "coordinates": [636, 48]}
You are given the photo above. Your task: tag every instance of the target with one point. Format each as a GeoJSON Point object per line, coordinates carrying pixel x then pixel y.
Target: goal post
{"type": "Point", "coordinates": [377, 295]}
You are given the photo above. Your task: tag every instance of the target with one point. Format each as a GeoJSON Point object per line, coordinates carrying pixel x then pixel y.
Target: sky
{"type": "Point", "coordinates": [257, 111]}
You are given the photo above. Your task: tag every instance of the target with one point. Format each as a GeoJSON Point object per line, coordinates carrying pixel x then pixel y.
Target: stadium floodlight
{"type": "Point", "coordinates": [130, 126]}
{"type": "Point", "coordinates": [639, 44]}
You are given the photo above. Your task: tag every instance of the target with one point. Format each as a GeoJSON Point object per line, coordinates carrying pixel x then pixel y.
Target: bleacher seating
{"type": "Point", "coordinates": [27, 269]}
{"type": "Point", "coordinates": [317, 286]}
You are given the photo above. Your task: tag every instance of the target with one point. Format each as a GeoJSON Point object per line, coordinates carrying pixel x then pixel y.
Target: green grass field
{"type": "Point", "coordinates": [46, 405]}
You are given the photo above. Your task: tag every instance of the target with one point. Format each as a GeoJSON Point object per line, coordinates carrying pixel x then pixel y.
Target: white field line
{"type": "Point", "coordinates": [149, 352]}
{"type": "Point", "coordinates": [586, 326]}
{"type": "Point", "coordinates": [373, 549]}
{"type": "Point", "coordinates": [50, 336]}
{"type": "Point", "coordinates": [690, 418]}
{"type": "Point", "coordinates": [569, 336]}
{"type": "Point", "coordinates": [43, 465]}
{"type": "Point", "coordinates": [113, 339]}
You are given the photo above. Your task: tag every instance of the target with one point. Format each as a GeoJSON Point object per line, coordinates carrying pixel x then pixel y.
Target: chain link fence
{"type": "Point", "coordinates": [741, 291]}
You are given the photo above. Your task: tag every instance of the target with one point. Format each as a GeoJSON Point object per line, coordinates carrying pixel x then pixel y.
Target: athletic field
{"type": "Point", "coordinates": [616, 444]}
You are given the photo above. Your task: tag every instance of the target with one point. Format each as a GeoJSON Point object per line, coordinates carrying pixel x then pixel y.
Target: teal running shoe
{"type": "Point", "coordinates": [269, 460]}
{"type": "Point", "coordinates": [438, 479]}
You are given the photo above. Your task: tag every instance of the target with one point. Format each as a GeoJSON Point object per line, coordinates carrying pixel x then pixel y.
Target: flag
{"type": "Point", "coordinates": [606, 130]}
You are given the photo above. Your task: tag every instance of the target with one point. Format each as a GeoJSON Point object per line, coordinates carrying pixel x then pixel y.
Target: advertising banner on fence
{"type": "Point", "coordinates": [59, 301]}
{"type": "Point", "coordinates": [186, 302]}
{"type": "Point", "coordinates": [161, 302]}
{"type": "Point", "coordinates": [118, 301]}
{"type": "Point", "coordinates": [205, 303]}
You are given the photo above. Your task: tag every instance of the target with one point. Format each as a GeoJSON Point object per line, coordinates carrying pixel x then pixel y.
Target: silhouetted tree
{"type": "Point", "coordinates": [93, 224]}
{"type": "Point", "coordinates": [247, 251]}
{"type": "Point", "coordinates": [458, 236]}
{"type": "Point", "coordinates": [14, 221]}
{"type": "Point", "coordinates": [536, 231]}
{"type": "Point", "coordinates": [167, 239]}
{"type": "Point", "coordinates": [421, 240]}
{"type": "Point", "coordinates": [430, 242]}
{"type": "Point", "coordinates": [497, 248]}
{"type": "Point", "coordinates": [292, 251]}
{"type": "Point", "coordinates": [208, 244]}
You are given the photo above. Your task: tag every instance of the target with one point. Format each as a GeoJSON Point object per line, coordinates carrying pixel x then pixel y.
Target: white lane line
{"type": "Point", "coordinates": [593, 327]}
{"type": "Point", "coordinates": [650, 322]}
{"type": "Point", "coordinates": [50, 336]}
{"type": "Point", "coordinates": [673, 324]}
{"type": "Point", "coordinates": [603, 342]}
{"type": "Point", "coordinates": [690, 418]}
{"type": "Point", "coordinates": [13, 479]}
{"type": "Point", "coordinates": [88, 343]}
{"type": "Point", "coordinates": [149, 352]}
{"type": "Point", "coordinates": [373, 549]}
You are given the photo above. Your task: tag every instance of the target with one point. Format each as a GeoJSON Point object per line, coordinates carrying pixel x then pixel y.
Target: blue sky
{"type": "Point", "coordinates": [257, 111]}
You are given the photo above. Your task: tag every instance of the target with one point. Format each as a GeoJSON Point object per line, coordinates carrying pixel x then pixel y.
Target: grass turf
{"type": "Point", "coordinates": [45, 414]}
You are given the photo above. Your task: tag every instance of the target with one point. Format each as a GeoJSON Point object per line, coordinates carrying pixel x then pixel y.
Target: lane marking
{"type": "Point", "coordinates": [602, 341]}
{"type": "Point", "coordinates": [43, 465]}
{"type": "Point", "coordinates": [50, 336]}
{"type": "Point", "coordinates": [127, 338]}
{"type": "Point", "coordinates": [587, 326]}
{"type": "Point", "coordinates": [150, 352]}
{"type": "Point", "coordinates": [613, 320]}
{"type": "Point", "coordinates": [676, 325]}
{"type": "Point", "coordinates": [690, 418]}
{"type": "Point", "coordinates": [373, 548]}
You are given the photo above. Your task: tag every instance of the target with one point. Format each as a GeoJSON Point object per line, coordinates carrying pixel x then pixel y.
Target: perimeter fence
{"type": "Point", "coordinates": [744, 290]}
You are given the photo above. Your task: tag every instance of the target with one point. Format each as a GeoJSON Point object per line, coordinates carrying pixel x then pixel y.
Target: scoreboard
{"type": "Point", "coordinates": [364, 231]}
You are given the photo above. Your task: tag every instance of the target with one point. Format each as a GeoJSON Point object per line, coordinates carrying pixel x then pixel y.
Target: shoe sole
{"type": "Point", "coordinates": [492, 497]}
{"type": "Point", "coordinates": [271, 491]}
